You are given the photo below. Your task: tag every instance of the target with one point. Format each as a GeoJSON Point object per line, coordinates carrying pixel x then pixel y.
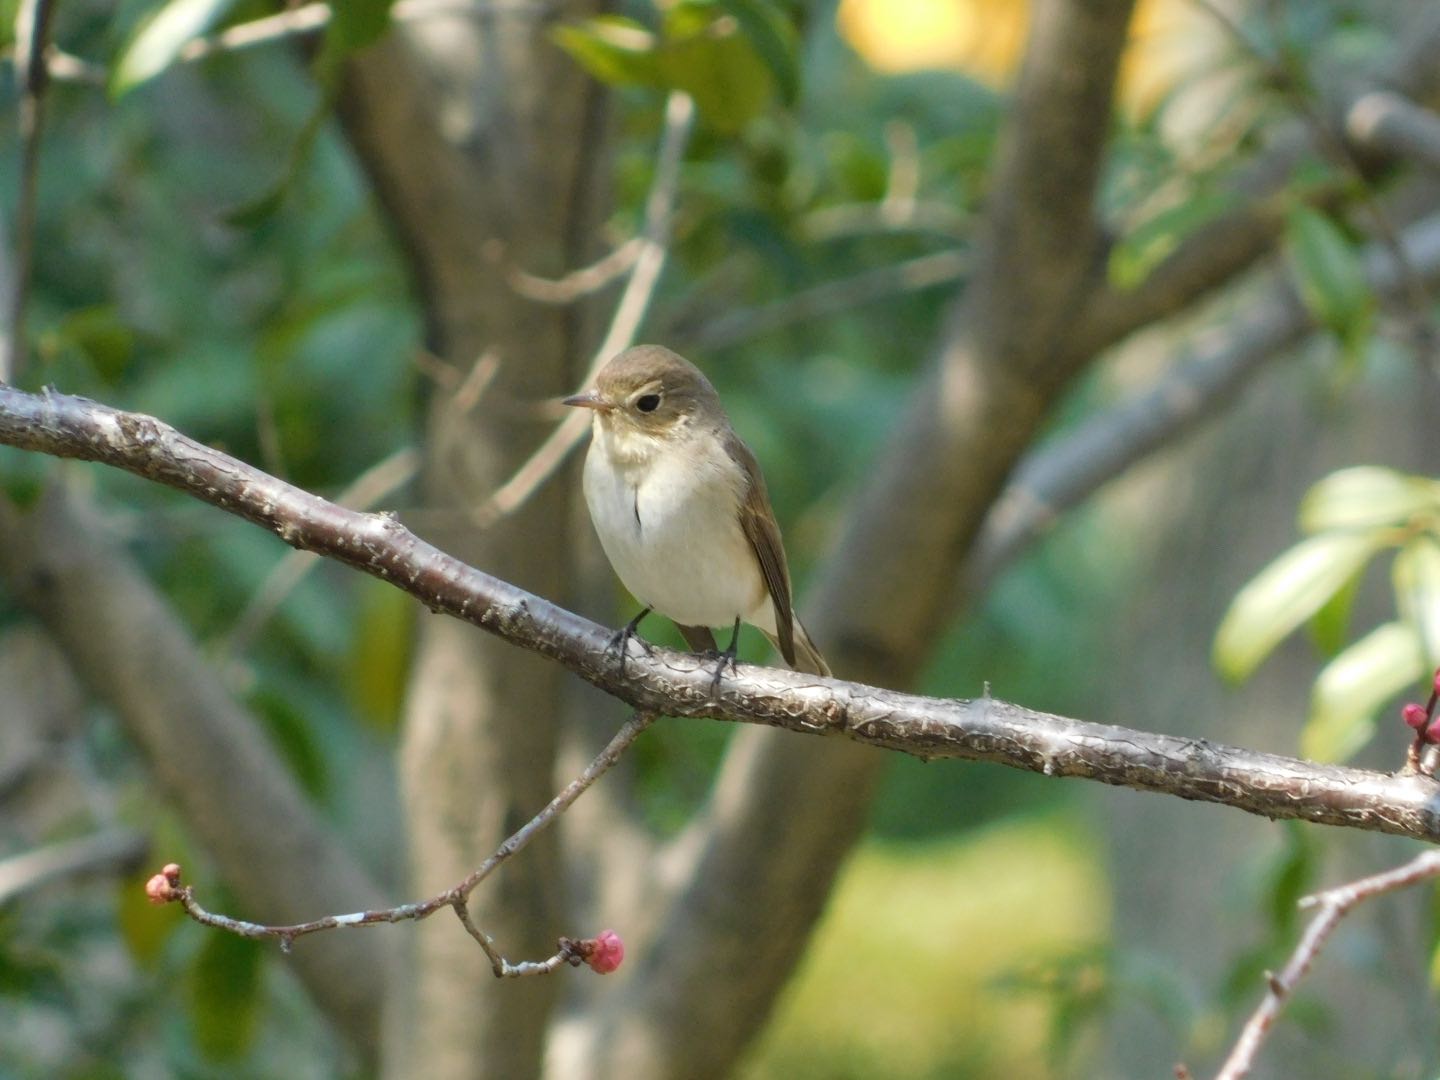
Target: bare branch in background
{"type": "Point", "coordinates": [1287, 72]}
{"type": "Point", "coordinates": [32, 27]}
{"type": "Point", "coordinates": [294, 22]}
{"type": "Point", "coordinates": [579, 283]}
{"type": "Point", "coordinates": [1385, 121]}
{"type": "Point", "coordinates": [165, 886]}
{"type": "Point", "coordinates": [1333, 904]}
{"type": "Point", "coordinates": [925, 272]}
{"type": "Point", "coordinates": [1057, 478]}
{"type": "Point", "coordinates": [626, 321]}
{"type": "Point", "coordinates": [1236, 240]}
{"type": "Point", "coordinates": [205, 752]}
{"type": "Point", "coordinates": [111, 851]}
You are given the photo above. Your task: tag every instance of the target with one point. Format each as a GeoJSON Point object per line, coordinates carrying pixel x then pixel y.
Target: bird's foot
{"type": "Point", "coordinates": [619, 644]}
{"type": "Point", "coordinates": [722, 657]}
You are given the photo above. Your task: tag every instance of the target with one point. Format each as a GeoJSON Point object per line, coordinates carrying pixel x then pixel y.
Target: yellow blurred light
{"type": "Point", "coordinates": [985, 39]}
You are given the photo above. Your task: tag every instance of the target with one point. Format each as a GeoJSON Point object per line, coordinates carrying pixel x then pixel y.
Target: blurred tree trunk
{"type": "Point", "coordinates": [468, 125]}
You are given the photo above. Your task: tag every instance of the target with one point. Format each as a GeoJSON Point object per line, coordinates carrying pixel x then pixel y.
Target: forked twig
{"type": "Point", "coordinates": [603, 952]}
{"type": "Point", "coordinates": [1334, 904]}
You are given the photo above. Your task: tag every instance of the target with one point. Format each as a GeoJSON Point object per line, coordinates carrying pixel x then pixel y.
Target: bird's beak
{"type": "Point", "coordinates": [589, 400]}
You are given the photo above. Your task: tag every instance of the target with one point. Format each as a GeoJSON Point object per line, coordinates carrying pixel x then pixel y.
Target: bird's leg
{"type": "Point", "coordinates": [727, 657]}
{"type": "Point", "coordinates": [620, 640]}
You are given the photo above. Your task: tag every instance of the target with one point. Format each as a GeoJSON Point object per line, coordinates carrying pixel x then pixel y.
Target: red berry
{"type": "Point", "coordinates": [606, 952]}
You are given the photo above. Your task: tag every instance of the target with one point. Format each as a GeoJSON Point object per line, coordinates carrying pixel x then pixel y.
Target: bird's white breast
{"type": "Point", "coordinates": [667, 519]}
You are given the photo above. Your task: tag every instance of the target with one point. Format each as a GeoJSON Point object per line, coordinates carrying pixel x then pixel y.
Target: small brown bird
{"type": "Point", "coordinates": [681, 508]}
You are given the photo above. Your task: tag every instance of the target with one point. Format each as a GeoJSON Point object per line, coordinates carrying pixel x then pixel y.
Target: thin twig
{"type": "Point", "coordinates": [32, 27]}
{"type": "Point", "coordinates": [624, 324]}
{"type": "Point", "coordinates": [166, 887]}
{"type": "Point", "coordinates": [294, 22]}
{"type": "Point", "coordinates": [744, 324]}
{"type": "Point", "coordinates": [578, 284]}
{"type": "Point", "coordinates": [1333, 904]}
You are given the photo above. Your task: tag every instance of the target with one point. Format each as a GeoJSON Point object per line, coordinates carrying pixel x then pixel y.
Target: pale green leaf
{"type": "Point", "coordinates": [161, 37]}
{"type": "Point", "coordinates": [1330, 626]}
{"type": "Point", "coordinates": [1417, 592]}
{"type": "Point", "coordinates": [1367, 496]}
{"type": "Point", "coordinates": [1354, 685]}
{"type": "Point", "coordinates": [1286, 593]}
{"type": "Point", "coordinates": [773, 39]}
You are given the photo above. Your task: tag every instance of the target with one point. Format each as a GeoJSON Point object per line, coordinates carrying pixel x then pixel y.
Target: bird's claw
{"type": "Point", "coordinates": [721, 658]}
{"type": "Point", "coordinates": [619, 643]}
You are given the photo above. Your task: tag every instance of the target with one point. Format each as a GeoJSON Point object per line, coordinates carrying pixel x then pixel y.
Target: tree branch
{"type": "Point", "coordinates": [1236, 240]}
{"type": "Point", "coordinates": [32, 28]}
{"type": "Point", "coordinates": [206, 753]}
{"type": "Point", "coordinates": [1384, 121]}
{"type": "Point", "coordinates": [109, 850]}
{"type": "Point", "coordinates": [1057, 478]}
{"type": "Point", "coordinates": [1334, 905]}
{"type": "Point", "coordinates": [679, 684]}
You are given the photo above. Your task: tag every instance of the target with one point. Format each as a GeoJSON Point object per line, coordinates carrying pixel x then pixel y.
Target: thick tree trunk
{"type": "Point", "coordinates": [482, 139]}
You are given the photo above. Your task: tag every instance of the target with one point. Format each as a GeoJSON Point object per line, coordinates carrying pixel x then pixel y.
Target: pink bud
{"type": "Point", "coordinates": [1415, 716]}
{"type": "Point", "coordinates": [606, 952]}
{"type": "Point", "coordinates": [1437, 681]}
{"type": "Point", "coordinates": [172, 872]}
{"type": "Point", "coordinates": [1432, 733]}
{"type": "Point", "coordinates": [159, 890]}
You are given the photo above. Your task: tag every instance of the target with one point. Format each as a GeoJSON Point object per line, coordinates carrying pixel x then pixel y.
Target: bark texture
{"type": "Point", "coordinates": [481, 138]}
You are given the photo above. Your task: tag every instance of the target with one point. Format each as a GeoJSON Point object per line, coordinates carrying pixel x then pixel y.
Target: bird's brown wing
{"type": "Point", "coordinates": [757, 520]}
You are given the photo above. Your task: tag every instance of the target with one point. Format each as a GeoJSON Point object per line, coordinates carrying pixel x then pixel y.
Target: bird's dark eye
{"type": "Point", "coordinates": [648, 403]}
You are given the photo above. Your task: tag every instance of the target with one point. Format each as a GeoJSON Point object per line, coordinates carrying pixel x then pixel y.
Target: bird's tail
{"type": "Point", "coordinates": [807, 656]}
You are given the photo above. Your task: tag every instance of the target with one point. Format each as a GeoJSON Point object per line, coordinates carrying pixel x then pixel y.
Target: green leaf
{"type": "Point", "coordinates": [224, 995]}
{"type": "Point", "coordinates": [616, 50]}
{"type": "Point", "coordinates": [99, 332]}
{"type": "Point", "coordinates": [1329, 274]}
{"type": "Point", "coordinates": [353, 25]}
{"type": "Point", "coordinates": [717, 67]}
{"type": "Point", "coordinates": [1284, 595]}
{"type": "Point", "coordinates": [357, 23]}
{"type": "Point", "coordinates": [1151, 242]}
{"type": "Point", "coordinates": [1292, 878]}
{"type": "Point", "coordinates": [1416, 575]}
{"type": "Point", "coordinates": [773, 38]}
{"type": "Point", "coordinates": [1354, 685]}
{"type": "Point", "coordinates": [161, 37]}
{"type": "Point", "coordinates": [1331, 624]}
{"type": "Point", "coordinates": [1367, 496]}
